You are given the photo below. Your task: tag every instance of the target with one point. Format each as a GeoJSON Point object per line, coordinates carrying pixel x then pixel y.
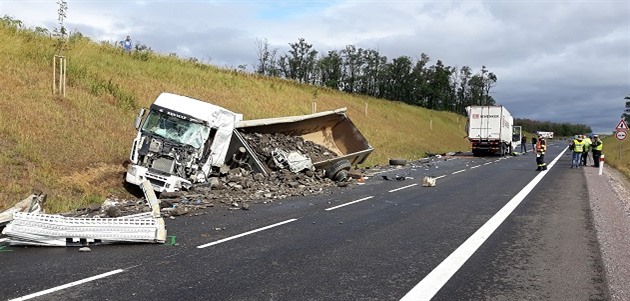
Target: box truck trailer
{"type": "Point", "coordinates": [490, 130]}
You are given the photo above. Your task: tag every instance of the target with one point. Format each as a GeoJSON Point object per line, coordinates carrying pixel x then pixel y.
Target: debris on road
{"type": "Point", "coordinates": [57, 230]}
{"type": "Point", "coordinates": [428, 181]}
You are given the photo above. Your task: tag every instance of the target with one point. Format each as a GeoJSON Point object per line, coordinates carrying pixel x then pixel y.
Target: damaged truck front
{"type": "Point", "coordinates": [178, 142]}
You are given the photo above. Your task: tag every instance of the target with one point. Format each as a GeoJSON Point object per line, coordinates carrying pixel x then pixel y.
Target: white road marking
{"type": "Point", "coordinates": [475, 166]}
{"type": "Point", "coordinates": [440, 177]}
{"type": "Point", "coordinates": [71, 284]}
{"type": "Point", "coordinates": [401, 188]}
{"type": "Point", "coordinates": [434, 281]}
{"type": "Point", "coordinates": [246, 233]}
{"type": "Point", "coordinates": [487, 163]}
{"type": "Point", "coordinates": [458, 171]}
{"type": "Point", "coordinates": [346, 204]}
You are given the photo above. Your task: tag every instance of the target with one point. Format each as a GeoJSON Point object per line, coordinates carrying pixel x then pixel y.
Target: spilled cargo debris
{"type": "Point", "coordinates": [56, 230]}
{"type": "Point", "coordinates": [32, 204]}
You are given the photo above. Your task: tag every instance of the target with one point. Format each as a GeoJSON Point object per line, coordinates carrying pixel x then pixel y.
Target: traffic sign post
{"type": "Point", "coordinates": [621, 133]}
{"type": "Point", "coordinates": [621, 136]}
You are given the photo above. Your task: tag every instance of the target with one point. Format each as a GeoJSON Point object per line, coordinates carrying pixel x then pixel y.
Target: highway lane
{"type": "Point", "coordinates": [378, 247]}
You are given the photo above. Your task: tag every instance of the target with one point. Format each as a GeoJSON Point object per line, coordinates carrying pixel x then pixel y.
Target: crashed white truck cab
{"type": "Point", "coordinates": [179, 141]}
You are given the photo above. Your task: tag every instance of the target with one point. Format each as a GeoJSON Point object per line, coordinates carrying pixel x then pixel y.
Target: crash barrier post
{"type": "Point", "coordinates": [601, 164]}
{"type": "Point", "coordinates": [314, 106]}
{"type": "Point", "coordinates": [59, 75]}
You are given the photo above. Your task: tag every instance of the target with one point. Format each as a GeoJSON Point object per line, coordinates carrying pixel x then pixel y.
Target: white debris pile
{"type": "Point", "coordinates": [56, 230]}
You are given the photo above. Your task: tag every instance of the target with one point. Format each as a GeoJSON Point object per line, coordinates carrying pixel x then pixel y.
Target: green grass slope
{"type": "Point", "coordinates": [73, 147]}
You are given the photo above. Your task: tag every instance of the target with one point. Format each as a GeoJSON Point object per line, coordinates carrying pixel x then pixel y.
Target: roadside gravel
{"type": "Point", "coordinates": [609, 196]}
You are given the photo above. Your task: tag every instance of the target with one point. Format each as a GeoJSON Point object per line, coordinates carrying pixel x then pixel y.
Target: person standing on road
{"type": "Point", "coordinates": [587, 146]}
{"type": "Point", "coordinates": [577, 146]}
{"type": "Point", "coordinates": [534, 140]}
{"type": "Point", "coordinates": [597, 150]}
{"type": "Point", "coordinates": [524, 144]}
{"type": "Point", "coordinates": [541, 147]}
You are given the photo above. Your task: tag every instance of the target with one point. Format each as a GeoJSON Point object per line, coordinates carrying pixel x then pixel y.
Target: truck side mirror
{"type": "Point", "coordinates": [139, 118]}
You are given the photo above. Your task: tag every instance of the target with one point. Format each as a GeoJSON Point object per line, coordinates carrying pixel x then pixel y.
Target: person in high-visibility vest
{"type": "Point", "coordinates": [577, 146]}
{"type": "Point", "coordinates": [541, 147]}
{"type": "Point", "coordinates": [587, 148]}
{"type": "Point", "coordinates": [597, 150]}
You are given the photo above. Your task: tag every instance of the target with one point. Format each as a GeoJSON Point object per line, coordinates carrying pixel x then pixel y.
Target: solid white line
{"type": "Point", "coordinates": [434, 281]}
{"type": "Point", "coordinates": [458, 171]}
{"type": "Point", "coordinates": [346, 204]}
{"type": "Point", "coordinates": [401, 188]}
{"type": "Point", "coordinates": [71, 284]}
{"type": "Point", "coordinates": [440, 177]}
{"type": "Point", "coordinates": [475, 166]}
{"type": "Point", "coordinates": [246, 233]}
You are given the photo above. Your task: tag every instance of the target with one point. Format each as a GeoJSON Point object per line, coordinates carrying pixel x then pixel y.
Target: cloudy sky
{"type": "Point", "coordinates": [560, 61]}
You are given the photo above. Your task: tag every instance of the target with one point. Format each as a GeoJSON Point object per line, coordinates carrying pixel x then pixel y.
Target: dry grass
{"type": "Point", "coordinates": [73, 148]}
{"type": "Point", "coordinates": [613, 156]}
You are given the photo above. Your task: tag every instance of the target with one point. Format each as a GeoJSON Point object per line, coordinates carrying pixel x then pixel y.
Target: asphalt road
{"type": "Point", "coordinates": [491, 229]}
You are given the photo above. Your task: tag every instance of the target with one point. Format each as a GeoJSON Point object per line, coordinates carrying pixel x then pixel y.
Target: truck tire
{"type": "Point", "coordinates": [338, 171]}
{"type": "Point", "coordinates": [397, 162]}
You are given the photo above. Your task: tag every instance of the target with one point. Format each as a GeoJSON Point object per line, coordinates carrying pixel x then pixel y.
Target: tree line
{"type": "Point", "coordinates": [365, 71]}
{"type": "Point", "coordinates": [564, 129]}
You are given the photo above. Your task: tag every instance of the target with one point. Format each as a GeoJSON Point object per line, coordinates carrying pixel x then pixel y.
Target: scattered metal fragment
{"type": "Point", "coordinates": [57, 230]}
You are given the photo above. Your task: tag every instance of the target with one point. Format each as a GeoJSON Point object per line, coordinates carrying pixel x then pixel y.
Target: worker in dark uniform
{"type": "Point", "coordinates": [541, 147]}
{"type": "Point", "coordinates": [597, 150]}
{"type": "Point", "coordinates": [524, 144]}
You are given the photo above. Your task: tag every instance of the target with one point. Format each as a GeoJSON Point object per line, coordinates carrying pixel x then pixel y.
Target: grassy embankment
{"type": "Point", "coordinates": [72, 148]}
{"type": "Point", "coordinates": [612, 155]}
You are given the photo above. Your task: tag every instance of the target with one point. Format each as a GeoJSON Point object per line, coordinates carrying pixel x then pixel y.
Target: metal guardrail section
{"type": "Point", "coordinates": [57, 230]}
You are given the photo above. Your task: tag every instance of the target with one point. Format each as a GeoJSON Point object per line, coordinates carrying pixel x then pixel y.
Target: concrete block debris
{"type": "Point", "coordinates": [428, 181]}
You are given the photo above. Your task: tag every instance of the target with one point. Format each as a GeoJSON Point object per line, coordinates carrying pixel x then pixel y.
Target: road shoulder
{"type": "Point", "coordinates": [609, 197]}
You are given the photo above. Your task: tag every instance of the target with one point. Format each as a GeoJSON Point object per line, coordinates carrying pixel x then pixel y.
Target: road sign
{"type": "Point", "coordinates": [621, 135]}
{"type": "Point", "coordinates": [622, 126]}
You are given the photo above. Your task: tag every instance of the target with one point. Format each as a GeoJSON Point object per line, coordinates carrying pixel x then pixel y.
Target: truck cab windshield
{"type": "Point", "coordinates": [176, 129]}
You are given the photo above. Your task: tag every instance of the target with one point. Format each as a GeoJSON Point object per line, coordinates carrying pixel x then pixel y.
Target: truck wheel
{"type": "Point", "coordinates": [338, 171]}
{"type": "Point", "coordinates": [397, 162]}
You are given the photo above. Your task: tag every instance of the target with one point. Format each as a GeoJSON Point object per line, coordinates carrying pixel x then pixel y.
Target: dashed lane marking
{"type": "Point", "coordinates": [475, 166]}
{"type": "Point", "coordinates": [65, 286]}
{"type": "Point", "coordinates": [401, 188]}
{"type": "Point", "coordinates": [346, 204]}
{"type": "Point", "coordinates": [440, 177]}
{"type": "Point", "coordinates": [245, 234]}
{"type": "Point", "coordinates": [456, 172]}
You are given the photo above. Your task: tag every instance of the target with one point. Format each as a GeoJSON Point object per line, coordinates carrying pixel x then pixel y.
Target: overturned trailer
{"type": "Point", "coordinates": [184, 141]}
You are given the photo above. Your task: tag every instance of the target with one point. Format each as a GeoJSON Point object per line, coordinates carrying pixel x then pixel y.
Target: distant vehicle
{"type": "Point", "coordinates": [546, 135]}
{"type": "Point", "coordinates": [490, 130]}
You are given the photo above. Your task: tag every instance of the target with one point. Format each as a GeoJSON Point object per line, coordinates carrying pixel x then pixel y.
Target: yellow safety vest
{"type": "Point", "coordinates": [578, 146]}
{"type": "Point", "coordinates": [599, 147]}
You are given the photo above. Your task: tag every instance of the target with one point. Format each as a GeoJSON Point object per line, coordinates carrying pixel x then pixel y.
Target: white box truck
{"type": "Point", "coordinates": [490, 130]}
